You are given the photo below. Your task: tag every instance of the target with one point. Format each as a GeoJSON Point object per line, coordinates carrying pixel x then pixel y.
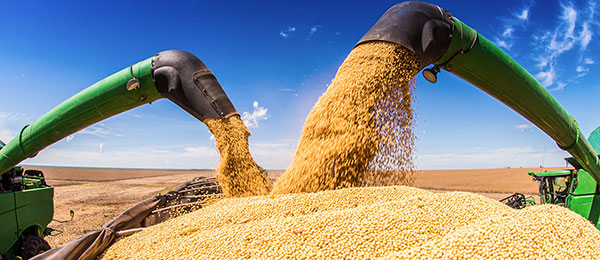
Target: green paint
{"type": "Point", "coordinates": [21, 211]}
{"type": "Point", "coordinates": [551, 173]}
{"type": "Point", "coordinates": [594, 140]}
{"type": "Point", "coordinates": [8, 229]}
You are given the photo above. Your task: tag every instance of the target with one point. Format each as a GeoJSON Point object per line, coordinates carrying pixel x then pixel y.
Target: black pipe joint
{"type": "Point", "coordinates": [184, 79]}
{"type": "Point", "coordinates": [423, 28]}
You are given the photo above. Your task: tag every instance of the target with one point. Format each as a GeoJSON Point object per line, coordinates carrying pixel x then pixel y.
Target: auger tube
{"type": "Point", "coordinates": [177, 75]}
{"type": "Point", "coordinates": [467, 54]}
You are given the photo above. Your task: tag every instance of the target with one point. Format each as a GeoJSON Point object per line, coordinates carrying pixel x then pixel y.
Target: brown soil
{"type": "Point", "coordinates": [99, 195]}
{"type": "Point", "coordinates": [106, 174]}
{"type": "Point", "coordinates": [481, 180]}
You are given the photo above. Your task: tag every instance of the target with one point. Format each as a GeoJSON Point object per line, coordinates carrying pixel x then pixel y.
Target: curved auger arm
{"type": "Point", "coordinates": [440, 39]}
{"type": "Point", "coordinates": [177, 75]}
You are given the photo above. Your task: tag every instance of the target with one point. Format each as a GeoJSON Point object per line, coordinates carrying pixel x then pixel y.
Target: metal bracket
{"type": "Point", "coordinates": [21, 143]}
{"type": "Point", "coordinates": [443, 65]}
{"type": "Point", "coordinates": [133, 83]}
{"type": "Point", "coordinates": [202, 73]}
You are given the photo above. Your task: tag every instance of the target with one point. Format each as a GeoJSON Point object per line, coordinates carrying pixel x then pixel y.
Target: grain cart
{"type": "Point", "coordinates": [26, 201]}
{"type": "Point", "coordinates": [443, 41]}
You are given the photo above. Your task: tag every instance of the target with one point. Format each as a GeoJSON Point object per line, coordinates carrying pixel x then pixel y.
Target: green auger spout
{"type": "Point", "coordinates": [177, 75]}
{"type": "Point", "coordinates": [440, 39]}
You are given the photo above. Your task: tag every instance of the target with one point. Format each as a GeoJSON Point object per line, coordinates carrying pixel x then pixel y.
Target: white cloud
{"type": "Point", "coordinates": [543, 61]}
{"type": "Point", "coordinates": [581, 71]}
{"type": "Point", "coordinates": [559, 86]}
{"type": "Point", "coordinates": [506, 37]}
{"type": "Point", "coordinates": [524, 14]}
{"type": "Point", "coordinates": [315, 28]}
{"type": "Point", "coordinates": [69, 138]}
{"type": "Point", "coordinates": [503, 44]}
{"type": "Point", "coordinates": [101, 146]}
{"type": "Point", "coordinates": [517, 21]}
{"type": "Point", "coordinates": [586, 36]}
{"type": "Point", "coordinates": [100, 130]}
{"type": "Point", "coordinates": [11, 124]}
{"type": "Point", "coordinates": [563, 38]}
{"type": "Point", "coordinates": [523, 127]}
{"type": "Point", "coordinates": [508, 32]}
{"type": "Point", "coordinates": [251, 119]}
{"type": "Point", "coordinates": [274, 155]}
{"type": "Point", "coordinates": [286, 33]}
{"type": "Point", "coordinates": [573, 29]}
{"type": "Point", "coordinates": [198, 149]}
{"type": "Point", "coordinates": [546, 78]}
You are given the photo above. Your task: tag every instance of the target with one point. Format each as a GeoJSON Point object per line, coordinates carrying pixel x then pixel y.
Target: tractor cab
{"type": "Point", "coordinates": [572, 188]}
{"type": "Point", "coordinates": [554, 186]}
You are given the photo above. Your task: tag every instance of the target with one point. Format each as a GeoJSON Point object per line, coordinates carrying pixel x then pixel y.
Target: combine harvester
{"type": "Point", "coordinates": [438, 38]}
{"type": "Point", "coordinates": [26, 201]}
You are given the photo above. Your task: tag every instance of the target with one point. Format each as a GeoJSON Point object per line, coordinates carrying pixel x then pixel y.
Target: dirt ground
{"type": "Point", "coordinates": [98, 195]}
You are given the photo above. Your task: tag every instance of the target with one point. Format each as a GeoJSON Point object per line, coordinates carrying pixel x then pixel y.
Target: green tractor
{"type": "Point", "coordinates": [572, 188]}
{"type": "Point", "coordinates": [26, 208]}
{"type": "Point", "coordinates": [26, 201]}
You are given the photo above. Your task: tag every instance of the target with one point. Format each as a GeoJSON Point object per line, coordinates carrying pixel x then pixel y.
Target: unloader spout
{"type": "Point", "coordinates": [184, 79]}
{"type": "Point", "coordinates": [422, 28]}
{"type": "Point", "coordinates": [177, 75]}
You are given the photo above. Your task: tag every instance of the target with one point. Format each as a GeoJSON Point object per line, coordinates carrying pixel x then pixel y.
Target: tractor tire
{"type": "Point", "coordinates": [32, 246]}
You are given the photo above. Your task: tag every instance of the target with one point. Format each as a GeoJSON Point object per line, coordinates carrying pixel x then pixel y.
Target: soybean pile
{"type": "Point", "coordinates": [237, 172]}
{"type": "Point", "coordinates": [360, 130]}
{"type": "Point", "coordinates": [393, 222]}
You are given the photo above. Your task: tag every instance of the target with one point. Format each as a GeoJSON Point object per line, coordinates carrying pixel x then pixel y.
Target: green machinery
{"type": "Point", "coordinates": [438, 38]}
{"type": "Point", "coordinates": [573, 188]}
{"type": "Point", "coordinates": [26, 201]}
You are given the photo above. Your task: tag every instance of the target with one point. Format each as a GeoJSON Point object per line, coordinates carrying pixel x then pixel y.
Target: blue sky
{"type": "Point", "coordinates": [274, 59]}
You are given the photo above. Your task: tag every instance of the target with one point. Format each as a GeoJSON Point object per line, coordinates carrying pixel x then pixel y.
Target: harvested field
{"type": "Point", "coordinates": [481, 180]}
{"type": "Point", "coordinates": [99, 195]}
{"type": "Point", "coordinates": [107, 174]}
